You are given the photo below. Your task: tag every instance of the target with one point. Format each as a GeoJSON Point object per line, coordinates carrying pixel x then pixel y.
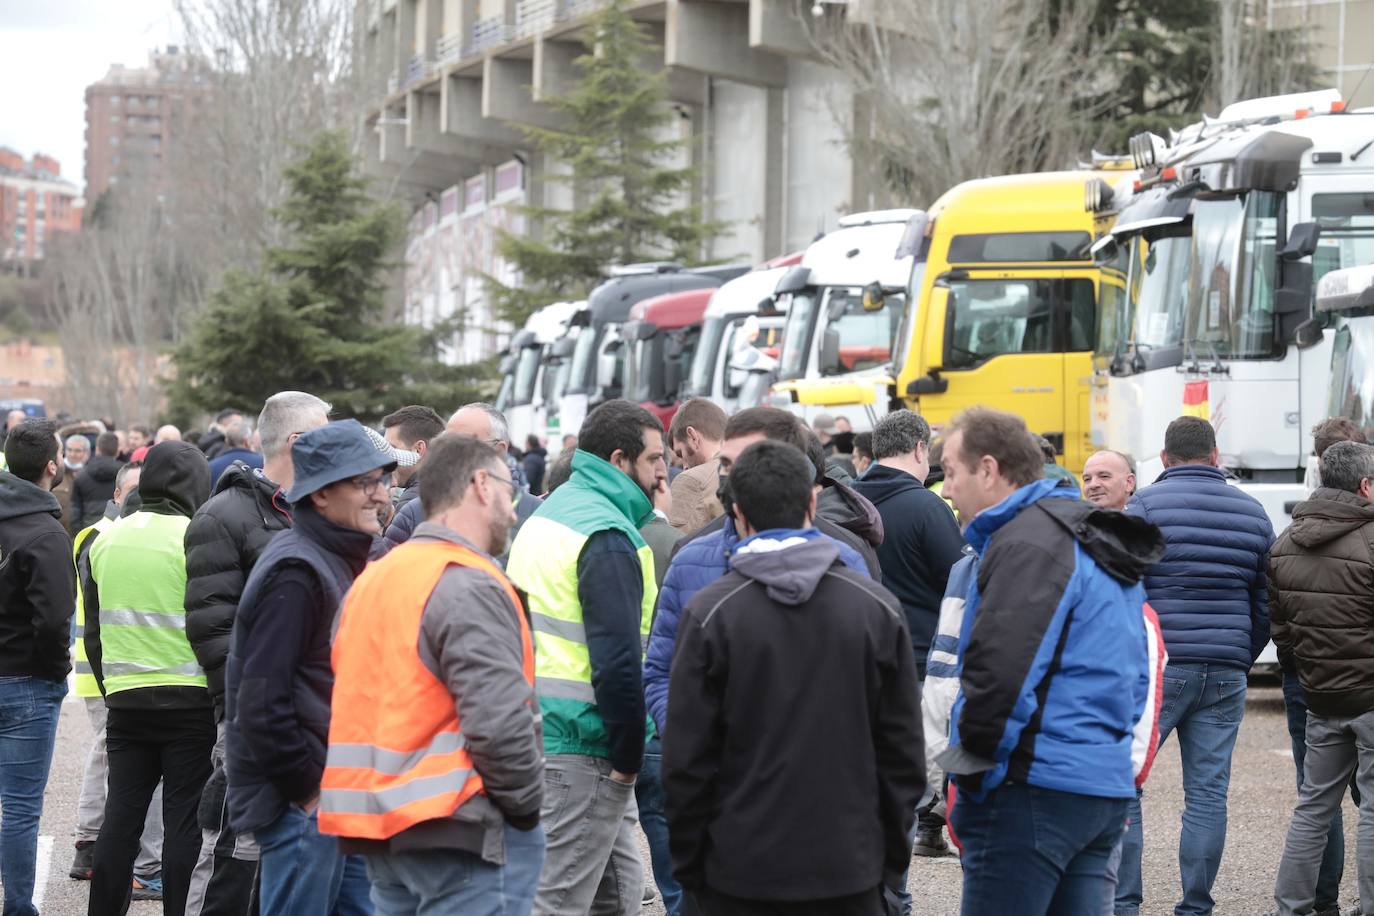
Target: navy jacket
{"type": "Point", "coordinates": [1210, 590]}
{"type": "Point", "coordinates": [278, 678]}
{"type": "Point", "coordinates": [1053, 654]}
{"type": "Point", "coordinates": [921, 541]}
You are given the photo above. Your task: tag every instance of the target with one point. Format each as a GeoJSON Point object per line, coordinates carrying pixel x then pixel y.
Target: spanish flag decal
{"type": "Point", "coordinates": [1195, 401]}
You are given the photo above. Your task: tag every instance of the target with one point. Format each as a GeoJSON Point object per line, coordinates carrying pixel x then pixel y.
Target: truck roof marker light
{"type": "Point", "coordinates": [1337, 107]}
{"type": "Point", "coordinates": [1136, 186]}
{"type": "Point", "coordinates": [1301, 113]}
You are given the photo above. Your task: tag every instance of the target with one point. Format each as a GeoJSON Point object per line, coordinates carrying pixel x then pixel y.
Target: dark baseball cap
{"type": "Point", "coordinates": [331, 453]}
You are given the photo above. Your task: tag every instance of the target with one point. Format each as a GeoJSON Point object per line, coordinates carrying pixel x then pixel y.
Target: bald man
{"type": "Point", "coordinates": [487, 424]}
{"type": "Point", "coordinates": [168, 433]}
{"type": "Point", "coordinates": [1108, 479]}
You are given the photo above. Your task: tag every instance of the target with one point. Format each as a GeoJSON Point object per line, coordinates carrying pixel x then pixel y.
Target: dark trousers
{"type": "Point", "coordinates": [144, 746]}
{"type": "Point", "coordinates": [714, 903]}
{"type": "Point", "coordinates": [1032, 851]}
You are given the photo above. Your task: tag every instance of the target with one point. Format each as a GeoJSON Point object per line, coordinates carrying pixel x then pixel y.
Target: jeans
{"type": "Point", "coordinates": [448, 882]}
{"type": "Point", "coordinates": [1336, 748]}
{"type": "Point", "coordinates": [145, 745]}
{"type": "Point", "coordinates": [1333, 858]}
{"type": "Point", "coordinates": [90, 807]}
{"type": "Point", "coordinates": [303, 872]}
{"type": "Point", "coordinates": [1204, 704]}
{"type": "Point", "coordinates": [29, 707]}
{"type": "Point", "coordinates": [1030, 850]}
{"type": "Point", "coordinates": [714, 903]}
{"type": "Point", "coordinates": [592, 865]}
{"type": "Point", "coordinates": [649, 796]}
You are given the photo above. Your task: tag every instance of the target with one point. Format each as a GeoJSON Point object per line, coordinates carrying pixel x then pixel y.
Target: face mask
{"type": "Point", "coordinates": [75, 466]}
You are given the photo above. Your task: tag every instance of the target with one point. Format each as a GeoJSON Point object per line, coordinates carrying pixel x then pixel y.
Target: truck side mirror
{"type": "Point", "coordinates": [1308, 334]}
{"type": "Point", "coordinates": [1302, 242]}
{"type": "Point", "coordinates": [874, 298]}
{"type": "Point", "coordinates": [830, 351]}
{"type": "Point", "coordinates": [672, 379]}
{"type": "Point", "coordinates": [605, 367]}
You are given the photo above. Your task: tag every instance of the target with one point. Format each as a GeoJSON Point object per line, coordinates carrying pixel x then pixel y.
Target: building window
{"type": "Point", "coordinates": [114, 139]}
{"type": "Point", "coordinates": [115, 100]}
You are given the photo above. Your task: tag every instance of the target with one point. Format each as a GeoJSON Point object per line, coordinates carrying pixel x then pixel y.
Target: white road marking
{"type": "Point", "coordinates": [40, 875]}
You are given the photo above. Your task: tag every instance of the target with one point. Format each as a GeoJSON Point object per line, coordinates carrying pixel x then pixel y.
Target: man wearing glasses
{"type": "Point", "coordinates": [223, 543]}
{"type": "Point", "coordinates": [279, 677]}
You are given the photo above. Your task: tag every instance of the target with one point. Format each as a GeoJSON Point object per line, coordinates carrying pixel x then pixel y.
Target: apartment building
{"type": "Point", "coordinates": [36, 203]}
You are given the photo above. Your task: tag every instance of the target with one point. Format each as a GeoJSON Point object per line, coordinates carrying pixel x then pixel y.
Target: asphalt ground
{"type": "Point", "coordinates": [1262, 796]}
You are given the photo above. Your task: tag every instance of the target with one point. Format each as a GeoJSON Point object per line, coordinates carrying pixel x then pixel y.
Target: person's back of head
{"type": "Point", "coordinates": [1349, 466]}
{"type": "Point", "coordinates": [414, 423]}
{"type": "Point", "coordinates": [30, 447]}
{"type": "Point", "coordinates": [1332, 430]}
{"type": "Point", "coordinates": [107, 444]}
{"type": "Point", "coordinates": [1046, 448]}
{"type": "Point", "coordinates": [900, 434]}
{"type": "Point", "coordinates": [532, 443]}
{"type": "Point", "coordinates": [1189, 440]}
{"type": "Point", "coordinates": [772, 422]}
{"type": "Point", "coordinates": [226, 416]}
{"type": "Point", "coordinates": [559, 471]}
{"type": "Point", "coordinates": [482, 421]}
{"type": "Point", "coordinates": [771, 487]}
{"type": "Point", "coordinates": [175, 479]}
{"type": "Point", "coordinates": [238, 434]}
{"type": "Point", "coordinates": [863, 446]}
{"type": "Point", "coordinates": [286, 415]}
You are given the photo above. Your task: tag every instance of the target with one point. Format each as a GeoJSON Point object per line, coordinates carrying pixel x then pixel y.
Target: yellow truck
{"type": "Point", "coordinates": [1003, 302]}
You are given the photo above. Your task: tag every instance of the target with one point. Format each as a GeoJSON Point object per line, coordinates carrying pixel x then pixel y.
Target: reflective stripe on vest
{"type": "Point", "coordinates": [139, 567]}
{"type": "Point", "coordinates": [86, 685]}
{"type": "Point", "coordinates": [397, 756]}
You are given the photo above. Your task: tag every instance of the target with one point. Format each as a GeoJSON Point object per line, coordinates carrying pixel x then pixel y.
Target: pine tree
{"type": "Point", "coordinates": [311, 319]}
{"type": "Point", "coordinates": [622, 169]}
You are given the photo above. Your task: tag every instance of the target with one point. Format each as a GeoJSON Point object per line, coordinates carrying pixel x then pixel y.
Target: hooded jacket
{"type": "Point", "coordinates": [37, 583]}
{"type": "Point", "coordinates": [223, 541]}
{"type": "Point", "coordinates": [1053, 656]}
{"type": "Point", "coordinates": [175, 482]}
{"type": "Point", "coordinates": [697, 562]}
{"type": "Point", "coordinates": [93, 488]}
{"type": "Point", "coordinates": [839, 503]}
{"type": "Point", "coordinates": [1321, 601]}
{"type": "Point", "coordinates": [1210, 587]}
{"type": "Point", "coordinates": [834, 720]}
{"type": "Point", "coordinates": [921, 541]}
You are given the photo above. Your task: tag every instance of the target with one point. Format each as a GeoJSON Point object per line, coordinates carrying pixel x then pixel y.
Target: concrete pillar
{"type": "Point", "coordinates": [506, 86]}
{"type": "Point", "coordinates": [552, 70]}
{"type": "Point", "coordinates": [713, 38]}
{"type": "Point", "coordinates": [773, 27]}
{"type": "Point", "coordinates": [460, 114]}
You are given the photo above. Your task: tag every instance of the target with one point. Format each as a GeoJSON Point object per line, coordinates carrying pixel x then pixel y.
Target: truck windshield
{"type": "Point", "coordinates": [503, 396]}
{"type": "Point", "coordinates": [1114, 305]}
{"type": "Point", "coordinates": [581, 378]}
{"type": "Point", "coordinates": [526, 372]}
{"type": "Point", "coordinates": [1352, 373]}
{"type": "Point", "coordinates": [796, 335]}
{"type": "Point", "coordinates": [1229, 312]}
{"type": "Point", "coordinates": [901, 343]}
{"type": "Point", "coordinates": [1347, 237]}
{"type": "Point", "coordinates": [642, 354]}
{"type": "Point", "coordinates": [1157, 288]}
{"type": "Point", "coordinates": [989, 318]}
{"type": "Point", "coordinates": [860, 339]}
{"type": "Point", "coordinates": [704, 359]}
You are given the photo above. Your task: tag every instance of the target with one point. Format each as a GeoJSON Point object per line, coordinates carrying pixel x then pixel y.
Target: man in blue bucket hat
{"type": "Point", "coordinates": [279, 678]}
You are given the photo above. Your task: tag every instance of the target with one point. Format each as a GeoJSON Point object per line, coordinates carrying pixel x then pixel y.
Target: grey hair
{"type": "Point", "coordinates": [238, 434]}
{"type": "Point", "coordinates": [287, 412]}
{"type": "Point", "coordinates": [500, 429]}
{"type": "Point", "coordinates": [1345, 464]}
{"type": "Point", "coordinates": [899, 433]}
{"type": "Point", "coordinates": [76, 437]}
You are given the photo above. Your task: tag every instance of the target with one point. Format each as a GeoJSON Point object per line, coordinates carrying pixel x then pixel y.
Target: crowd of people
{"type": "Point", "coordinates": [331, 669]}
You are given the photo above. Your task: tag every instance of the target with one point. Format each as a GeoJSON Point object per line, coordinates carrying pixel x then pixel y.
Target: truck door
{"type": "Point", "coordinates": [1076, 301]}
{"type": "Point", "coordinates": [1001, 348]}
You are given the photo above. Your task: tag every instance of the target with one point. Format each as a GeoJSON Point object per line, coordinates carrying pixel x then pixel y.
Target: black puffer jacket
{"type": "Point", "coordinates": [224, 540]}
{"type": "Point", "coordinates": [92, 489]}
{"type": "Point", "coordinates": [1321, 601]}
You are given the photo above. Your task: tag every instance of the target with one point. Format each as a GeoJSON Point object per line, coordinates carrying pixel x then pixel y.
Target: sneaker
{"type": "Point", "coordinates": [149, 888]}
{"type": "Point", "coordinates": [930, 843]}
{"type": "Point", "coordinates": [649, 895]}
{"type": "Point", "coordinates": [83, 863]}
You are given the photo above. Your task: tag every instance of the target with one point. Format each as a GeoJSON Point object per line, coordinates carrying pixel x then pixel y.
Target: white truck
{"type": "Point", "coordinates": [527, 408]}
{"type": "Point", "coordinates": [844, 305]}
{"type": "Point", "coordinates": [1231, 226]}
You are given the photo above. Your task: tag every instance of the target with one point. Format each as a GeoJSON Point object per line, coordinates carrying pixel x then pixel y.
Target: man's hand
{"type": "Point", "coordinates": [625, 779]}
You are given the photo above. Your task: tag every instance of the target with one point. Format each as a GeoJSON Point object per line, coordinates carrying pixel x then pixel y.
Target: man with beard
{"type": "Point", "coordinates": [590, 580]}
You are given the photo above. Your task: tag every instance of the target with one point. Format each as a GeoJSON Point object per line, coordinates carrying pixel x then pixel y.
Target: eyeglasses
{"type": "Point", "coordinates": [503, 480]}
{"type": "Point", "coordinates": [370, 485]}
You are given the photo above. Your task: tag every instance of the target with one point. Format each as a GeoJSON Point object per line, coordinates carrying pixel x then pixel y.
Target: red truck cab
{"type": "Point", "coordinates": [661, 335]}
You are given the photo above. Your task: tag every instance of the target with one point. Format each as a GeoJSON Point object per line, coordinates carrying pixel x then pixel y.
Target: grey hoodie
{"type": "Point", "coordinates": [789, 565]}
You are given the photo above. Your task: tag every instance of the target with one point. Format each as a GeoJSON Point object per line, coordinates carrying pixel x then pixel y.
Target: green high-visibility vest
{"type": "Point", "coordinates": [139, 567]}
{"type": "Point", "coordinates": [543, 562]}
{"type": "Point", "coordinates": [85, 679]}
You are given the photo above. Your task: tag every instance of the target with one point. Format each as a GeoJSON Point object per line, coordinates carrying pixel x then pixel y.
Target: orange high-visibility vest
{"type": "Point", "coordinates": [396, 750]}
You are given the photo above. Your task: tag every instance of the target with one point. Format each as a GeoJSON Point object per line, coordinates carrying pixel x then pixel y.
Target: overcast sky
{"type": "Point", "coordinates": [51, 50]}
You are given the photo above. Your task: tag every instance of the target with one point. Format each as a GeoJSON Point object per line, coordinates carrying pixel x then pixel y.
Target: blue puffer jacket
{"type": "Point", "coordinates": [696, 564]}
{"type": "Point", "coordinates": [1210, 589]}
